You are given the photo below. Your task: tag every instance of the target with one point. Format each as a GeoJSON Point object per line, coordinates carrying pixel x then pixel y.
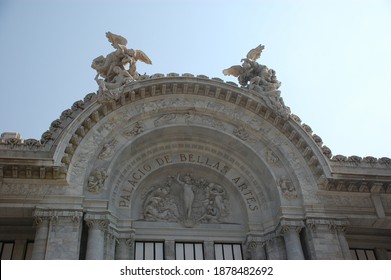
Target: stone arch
{"type": "Point", "coordinates": [276, 145]}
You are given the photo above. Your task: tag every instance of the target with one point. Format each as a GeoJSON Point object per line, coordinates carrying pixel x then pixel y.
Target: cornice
{"type": "Point", "coordinates": [187, 84]}
{"type": "Point", "coordinates": [84, 114]}
{"type": "Point", "coordinates": [356, 184]}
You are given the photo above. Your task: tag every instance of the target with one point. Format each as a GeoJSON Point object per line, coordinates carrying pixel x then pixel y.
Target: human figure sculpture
{"type": "Point", "coordinates": [252, 74]}
{"type": "Point", "coordinates": [112, 68]}
{"type": "Point", "coordinates": [160, 207]}
{"type": "Point", "coordinates": [188, 194]}
{"type": "Point", "coordinates": [121, 77]}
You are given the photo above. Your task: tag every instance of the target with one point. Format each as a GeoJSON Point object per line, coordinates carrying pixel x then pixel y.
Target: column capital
{"type": "Point", "coordinates": [128, 242]}
{"type": "Point", "coordinates": [97, 220]}
{"type": "Point", "coordinates": [332, 224]}
{"type": "Point", "coordinates": [290, 225]}
{"type": "Point", "coordinates": [53, 215]}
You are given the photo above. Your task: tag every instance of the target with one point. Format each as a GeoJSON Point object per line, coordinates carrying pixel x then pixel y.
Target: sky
{"type": "Point", "coordinates": [332, 57]}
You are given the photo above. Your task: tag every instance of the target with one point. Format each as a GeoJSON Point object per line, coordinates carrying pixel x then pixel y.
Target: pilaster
{"type": "Point", "coordinates": [255, 247]}
{"type": "Point", "coordinates": [325, 239]}
{"type": "Point", "coordinates": [110, 244]}
{"type": "Point", "coordinates": [125, 242]}
{"type": "Point", "coordinates": [58, 234]}
{"type": "Point", "coordinates": [41, 222]}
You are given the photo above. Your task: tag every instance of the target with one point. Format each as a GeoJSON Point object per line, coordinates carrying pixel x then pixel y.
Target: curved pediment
{"type": "Point", "coordinates": [212, 92]}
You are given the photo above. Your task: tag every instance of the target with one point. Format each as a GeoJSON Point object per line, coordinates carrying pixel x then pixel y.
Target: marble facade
{"type": "Point", "coordinates": [183, 159]}
{"type": "Point", "coordinates": [117, 171]}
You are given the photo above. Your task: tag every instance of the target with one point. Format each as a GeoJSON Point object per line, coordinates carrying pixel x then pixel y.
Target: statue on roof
{"type": "Point", "coordinates": [111, 70]}
{"type": "Point", "coordinates": [253, 75]}
{"type": "Point", "coordinates": [261, 79]}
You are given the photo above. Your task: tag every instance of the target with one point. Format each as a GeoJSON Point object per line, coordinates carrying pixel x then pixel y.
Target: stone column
{"type": "Point", "coordinates": [290, 231]}
{"type": "Point", "coordinates": [41, 236]}
{"type": "Point", "coordinates": [97, 225]}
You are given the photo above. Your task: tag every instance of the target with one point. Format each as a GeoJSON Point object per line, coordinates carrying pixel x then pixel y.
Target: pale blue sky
{"type": "Point", "coordinates": [332, 57]}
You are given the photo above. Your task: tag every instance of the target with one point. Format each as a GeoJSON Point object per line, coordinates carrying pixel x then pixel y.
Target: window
{"type": "Point", "coordinates": [149, 251]}
{"type": "Point", "coordinates": [16, 250]}
{"type": "Point", "coordinates": [362, 254]}
{"type": "Point", "coordinates": [6, 249]}
{"type": "Point", "coordinates": [189, 251]}
{"type": "Point", "coordinates": [29, 250]}
{"type": "Point", "coordinates": [228, 251]}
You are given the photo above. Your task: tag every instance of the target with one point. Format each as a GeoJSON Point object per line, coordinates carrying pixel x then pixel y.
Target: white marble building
{"type": "Point", "coordinates": [187, 167]}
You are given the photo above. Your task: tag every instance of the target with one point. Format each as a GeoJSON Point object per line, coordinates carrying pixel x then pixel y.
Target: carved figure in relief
{"type": "Point", "coordinates": [287, 188]}
{"type": "Point", "coordinates": [187, 200]}
{"type": "Point", "coordinates": [96, 181]}
{"type": "Point", "coordinates": [107, 150]}
{"type": "Point", "coordinates": [112, 68]}
{"type": "Point", "coordinates": [188, 194]}
{"type": "Point", "coordinates": [215, 194]}
{"type": "Point", "coordinates": [160, 207]}
{"type": "Point", "coordinates": [136, 130]}
{"type": "Point", "coordinates": [253, 74]}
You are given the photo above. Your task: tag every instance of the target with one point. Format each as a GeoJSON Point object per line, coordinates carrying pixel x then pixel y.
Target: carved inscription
{"type": "Point", "coordinates": [140, 172]}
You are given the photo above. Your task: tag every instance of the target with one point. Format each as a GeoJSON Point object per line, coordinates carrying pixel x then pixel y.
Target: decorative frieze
{"type": "Point", "coordinates": [55, 216]}
{"type": "Point", "coordinates": [31, 172]}
{"type": "Point", "coordinates": [371, 185]}
{"type": "Point", "coordinates": [332, 225]}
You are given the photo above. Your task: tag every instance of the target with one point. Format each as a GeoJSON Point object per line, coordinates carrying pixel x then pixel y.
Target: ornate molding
{"type": "Point", "coordinates": [97, 221]}
{"type": "Point", "coordinates": [331, 224]}
{"type": "Point", "coordinates": [21, 171]}
{"type": "Point", "coordinates": [286, 226]}
{"type": "Point", "coordinates": [372, 184]}
{"type": "Point", "coordinates": [28, 189]}
{"type": "Point", "coordinates": [57, 216]}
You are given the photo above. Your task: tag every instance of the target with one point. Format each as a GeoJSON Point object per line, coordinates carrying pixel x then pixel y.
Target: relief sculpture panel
{"type": "Point", "coordinates": [188, 200]}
